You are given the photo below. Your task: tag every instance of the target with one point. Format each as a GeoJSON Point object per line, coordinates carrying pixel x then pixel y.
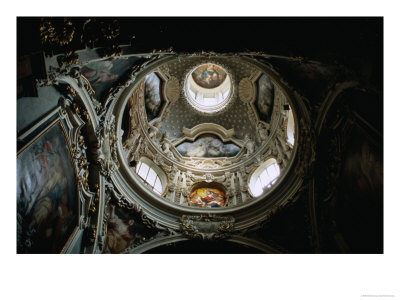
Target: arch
{"type": "Point", "coordinates": [254, 245]}
{"type": "Point", "coordinates": [152, 175]}
{"type": "Point", "coordinates": [290, 129]}
{"type": "Point", "coordinates": [264, 177]}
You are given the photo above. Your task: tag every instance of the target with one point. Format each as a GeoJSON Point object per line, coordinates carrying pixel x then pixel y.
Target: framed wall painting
{"type": "Point", "coordinates": [208, 195]}
{"type": "Point", "coordinates": [47, 196]}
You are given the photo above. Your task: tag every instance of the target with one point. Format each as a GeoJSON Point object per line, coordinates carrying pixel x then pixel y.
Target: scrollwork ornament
{"type": "Point", "coordinates": [56, 32]}
{"type": "Point", "coordinates": [105, 151]}
{"type": "Point", "coordinates": [207, 227]}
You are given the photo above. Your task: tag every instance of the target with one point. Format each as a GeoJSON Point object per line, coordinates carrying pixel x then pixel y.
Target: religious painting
{"type": "Point", "coordinates": [152, 96]}
{"type": "Point", "coordinates": [120, 231]}
{"type": "Point", "coordinates": [359, 207]}
{"type": "Point", "coordinates": [209, 76]}
{"type": "Point", "coordinates": [265, 98]}
{"type": "Point", "coordinates": [125, 228]}
{"type": "Point", "coordinates": [207, 197]}
{"type": "Point", "coordinates": [103, 74]}
{"type": "Point", "coordinates": [47, 204]}
{"type": "Point", "coordinates": [208, 146]}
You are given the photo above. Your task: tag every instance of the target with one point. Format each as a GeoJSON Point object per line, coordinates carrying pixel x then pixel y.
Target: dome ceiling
{"type": "Point", "coordinates": [200, 149]}
{"type": "Point", "coordinates": [181, 114]}
{"type": "Point", "coordinates": [264, 155]}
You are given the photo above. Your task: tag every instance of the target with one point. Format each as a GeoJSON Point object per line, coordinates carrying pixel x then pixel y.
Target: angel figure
{"type": "Point", "coordinates": [166, 145]}
{"type": "Point", "coordinates": [249, 145]}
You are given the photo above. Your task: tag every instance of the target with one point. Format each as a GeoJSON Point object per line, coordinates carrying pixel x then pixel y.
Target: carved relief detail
{"type": "Point", "coordinates": [246, 90]}
{"type": "Point", "coordinates": [105, 151]}
{"type": "Point", "coordinates": [207, 227]}
{"type": "Point", "coordinates": [172, 89]}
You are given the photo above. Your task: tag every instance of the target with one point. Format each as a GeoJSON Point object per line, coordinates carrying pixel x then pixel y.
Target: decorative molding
{"type": "Point", "coordinates": [191, 134]}
{"type": "Point", "coordinates": [247, 90]}
{"type": "Point", "coordinates": [207, 227]}
{"type": "Point", "coordinates": [172, 89]}
{"type": "Point", "coordinates": [56, 33]}
{"type": "Point", "coordinates": [105, 149]}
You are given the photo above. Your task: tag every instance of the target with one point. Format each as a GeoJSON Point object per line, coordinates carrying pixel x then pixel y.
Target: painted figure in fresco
{"type": "Point", "coordinates": [213, 199]}
{"type": "Point", "coordinates": [265, 99]}
{"type": "Point", "coordinates": [208, 146]}
{"type": "Point", "coordinates": [366, 170]}
{"type": "Point", "coordinates": [119, 233]}
{"type": "Point", "coordinates": [207, 197]}
{"type": "Point", "coordinates": [209, 76]}
{"type": "Point", "coordinates": [99, 72]}
{"type": "Point", "coordinates": [152, 97]}
{"type": "Point", "coordinates": [196, 200]}
{"type": "Point", "coordinates": [44, 199]}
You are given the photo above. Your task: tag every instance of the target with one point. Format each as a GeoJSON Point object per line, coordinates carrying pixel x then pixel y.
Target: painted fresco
{"type": "Point", "coordinates": [46, 195]}
{"type": "Point", "coordinates": [359, 208]}
{"type": "Point", "coordinates": [120, 231]}
{"type": "Point", "coordinates": [208, 146]}
{"type": "Point", "coordinates": [152, 97]}
{"type": "Point", "coordinates": [209, 76]}
{"type": "Point", "coordinates": [265, 98]}
{"type": "Point", "coordinates": [103, 74]}
{"type": "Point", "coordinates": [207, 197]}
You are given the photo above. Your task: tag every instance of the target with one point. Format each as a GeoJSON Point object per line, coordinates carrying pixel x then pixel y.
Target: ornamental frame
{"type": "Point", "coordinates": [71, 124]}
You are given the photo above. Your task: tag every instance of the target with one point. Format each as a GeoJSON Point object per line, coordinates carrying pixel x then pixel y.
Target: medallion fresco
{"type": "Point", "coordinates": [152, 97]}
{"type": "Point", "coordinates": [47, 206]}
{"type": "Point", "coordinates": [208, 146]}
{"type": "Point", "coordinates": [265, 98]}
{"type": "Point", "coordinates": [209, 76]}
{"type": "Point", "coordinates": [207, 197]}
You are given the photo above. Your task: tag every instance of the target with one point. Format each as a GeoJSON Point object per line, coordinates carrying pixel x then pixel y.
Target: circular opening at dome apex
{"type": "Point", "coordinates": [208, 88]}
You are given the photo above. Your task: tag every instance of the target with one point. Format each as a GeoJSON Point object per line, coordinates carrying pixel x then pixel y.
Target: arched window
{"type": "Point", "coordinates": [264, 177]}
{"type": "Point", "coordinates": [290, 128]}
{"type": "Point", "coordinates": [152, 175]}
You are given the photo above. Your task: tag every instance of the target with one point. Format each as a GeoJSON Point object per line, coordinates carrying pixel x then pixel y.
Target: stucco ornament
{"type": "Point", "coordinates": [246, 90]}
{"type": "Point", "coordinates": [105, 150]}
{"type": "Point", "coordinates": [207, 227]}
{"type": "Point", "coordinates": [172, 89]}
